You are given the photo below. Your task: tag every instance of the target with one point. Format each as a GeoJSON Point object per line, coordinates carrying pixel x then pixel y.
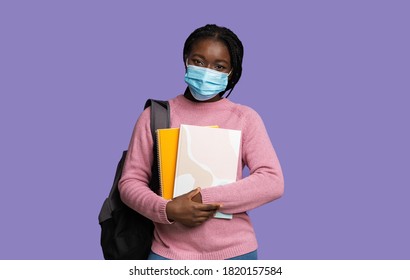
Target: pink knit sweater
{"type": "Point", "coordinates": [216, 238]}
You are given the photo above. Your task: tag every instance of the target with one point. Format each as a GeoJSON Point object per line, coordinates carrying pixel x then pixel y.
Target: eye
{"type": "Point", "coordinates": [220, 67]}
{"type": "Point", "coordinates": [198, 62]}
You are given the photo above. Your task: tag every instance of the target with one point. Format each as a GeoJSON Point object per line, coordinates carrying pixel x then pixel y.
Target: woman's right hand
{"type": "Point", "coordinates": [184, 210]}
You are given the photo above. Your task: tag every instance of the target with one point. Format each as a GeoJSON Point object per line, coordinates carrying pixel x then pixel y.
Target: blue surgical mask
{"type": "Point", "coordinates": [205, 83]}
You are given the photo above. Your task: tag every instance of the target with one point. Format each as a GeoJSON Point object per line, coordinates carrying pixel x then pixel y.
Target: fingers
{"type": "Point", "coordinates": [199, 219]}
{"type": "Point", "coordinates": [192, 193]}
{"type": "Point", "coordinates": [207, 207]}
{"type": "Point", "coordinates": [188, 212]}
{"type": "Point", "coordinates": [205, 211]}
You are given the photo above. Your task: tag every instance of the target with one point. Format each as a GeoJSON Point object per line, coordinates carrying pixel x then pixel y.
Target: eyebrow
{"type": "Point", "coordinates": [222, 60]}
{"type": "Point", "coordinates": [195, 54]}
{"type": "Point", "coordinates": [218, 60]}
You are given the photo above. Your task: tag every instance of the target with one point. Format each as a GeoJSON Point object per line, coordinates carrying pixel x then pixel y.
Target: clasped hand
{"type": "Point", "coordinates": [189, 210]}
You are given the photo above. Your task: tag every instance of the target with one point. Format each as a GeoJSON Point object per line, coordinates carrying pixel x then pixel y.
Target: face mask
{"type": "Point", "coordinates": [205, 83]}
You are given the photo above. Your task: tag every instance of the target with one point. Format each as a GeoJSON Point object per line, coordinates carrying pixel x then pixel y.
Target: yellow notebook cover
{"type": "Point", "coordinates": [167, 140]}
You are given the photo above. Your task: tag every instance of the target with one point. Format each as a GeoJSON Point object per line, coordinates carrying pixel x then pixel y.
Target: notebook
{"type": "Point", "coordinates": [167, 141]}
{"type": "Point", "coordinates": [206, 157]}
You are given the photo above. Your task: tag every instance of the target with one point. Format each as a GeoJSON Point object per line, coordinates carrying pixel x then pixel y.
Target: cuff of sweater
{"type": "Point", "coordinates": [163, 213]}
{"type": "Point", "coordinates": [213, 195]}
{"type": "Point", "coordinates": [206, 196]}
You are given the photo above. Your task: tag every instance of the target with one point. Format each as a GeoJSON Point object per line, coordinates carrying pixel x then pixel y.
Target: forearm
{"type": "Point", "coordinates": [133, 186]}
{"type": "Point", "coordinates": [251, 192]}
{"type": "Point", "coordinates": [143, 200]}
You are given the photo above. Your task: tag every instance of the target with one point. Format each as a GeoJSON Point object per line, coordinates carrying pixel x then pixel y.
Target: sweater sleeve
{"type": "Point", "coordinates": [265, 182]}
{"type": "Point", "coordinates": [133, 186]}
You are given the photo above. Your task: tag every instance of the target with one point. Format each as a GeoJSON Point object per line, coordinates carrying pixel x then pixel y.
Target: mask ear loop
{"type": "Point", "coordinates": [232, 87]}
{"type": "Point", "coordinates": [229, 93]}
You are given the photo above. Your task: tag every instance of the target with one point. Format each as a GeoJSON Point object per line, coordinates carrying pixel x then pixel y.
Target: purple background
{"type": "Point", "coordinates": [330, 80]}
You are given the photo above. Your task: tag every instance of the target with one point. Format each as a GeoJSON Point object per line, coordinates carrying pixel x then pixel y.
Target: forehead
{"type": "Point", "coordinates": [210, 49]}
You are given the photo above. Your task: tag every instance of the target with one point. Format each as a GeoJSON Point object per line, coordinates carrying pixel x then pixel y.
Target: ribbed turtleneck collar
{"type": "Point", "coordinates": [188, 104]}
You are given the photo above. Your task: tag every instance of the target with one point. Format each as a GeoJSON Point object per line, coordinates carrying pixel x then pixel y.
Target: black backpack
{"type": "Point", "coordinates": [126, 234]}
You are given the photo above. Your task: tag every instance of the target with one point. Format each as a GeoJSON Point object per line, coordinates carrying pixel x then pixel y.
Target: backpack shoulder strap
{"type": "Point", "coordinates": [160, 116]}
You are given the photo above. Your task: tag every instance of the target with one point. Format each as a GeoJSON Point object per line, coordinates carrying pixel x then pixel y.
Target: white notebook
{"type": "Point", "coordinates": [207, 157]}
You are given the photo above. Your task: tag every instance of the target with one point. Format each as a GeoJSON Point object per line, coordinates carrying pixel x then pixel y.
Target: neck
{"type": "Point", "coordinates": [188, 95]}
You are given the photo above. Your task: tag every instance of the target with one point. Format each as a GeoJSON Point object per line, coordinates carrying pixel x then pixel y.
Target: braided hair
{"type": "Point", "coordinates": [230, 40]}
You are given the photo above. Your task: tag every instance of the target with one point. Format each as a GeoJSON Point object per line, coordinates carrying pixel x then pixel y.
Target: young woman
{"type": "Point", "coordinates": [184, 226]}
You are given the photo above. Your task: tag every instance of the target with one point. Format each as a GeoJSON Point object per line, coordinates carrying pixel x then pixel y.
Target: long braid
{"type": "Point", "coordinates": [231, 41]}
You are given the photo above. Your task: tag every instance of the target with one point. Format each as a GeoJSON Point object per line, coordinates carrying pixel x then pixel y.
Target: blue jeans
{"type": "Point", "coordinates": [249, 256]}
